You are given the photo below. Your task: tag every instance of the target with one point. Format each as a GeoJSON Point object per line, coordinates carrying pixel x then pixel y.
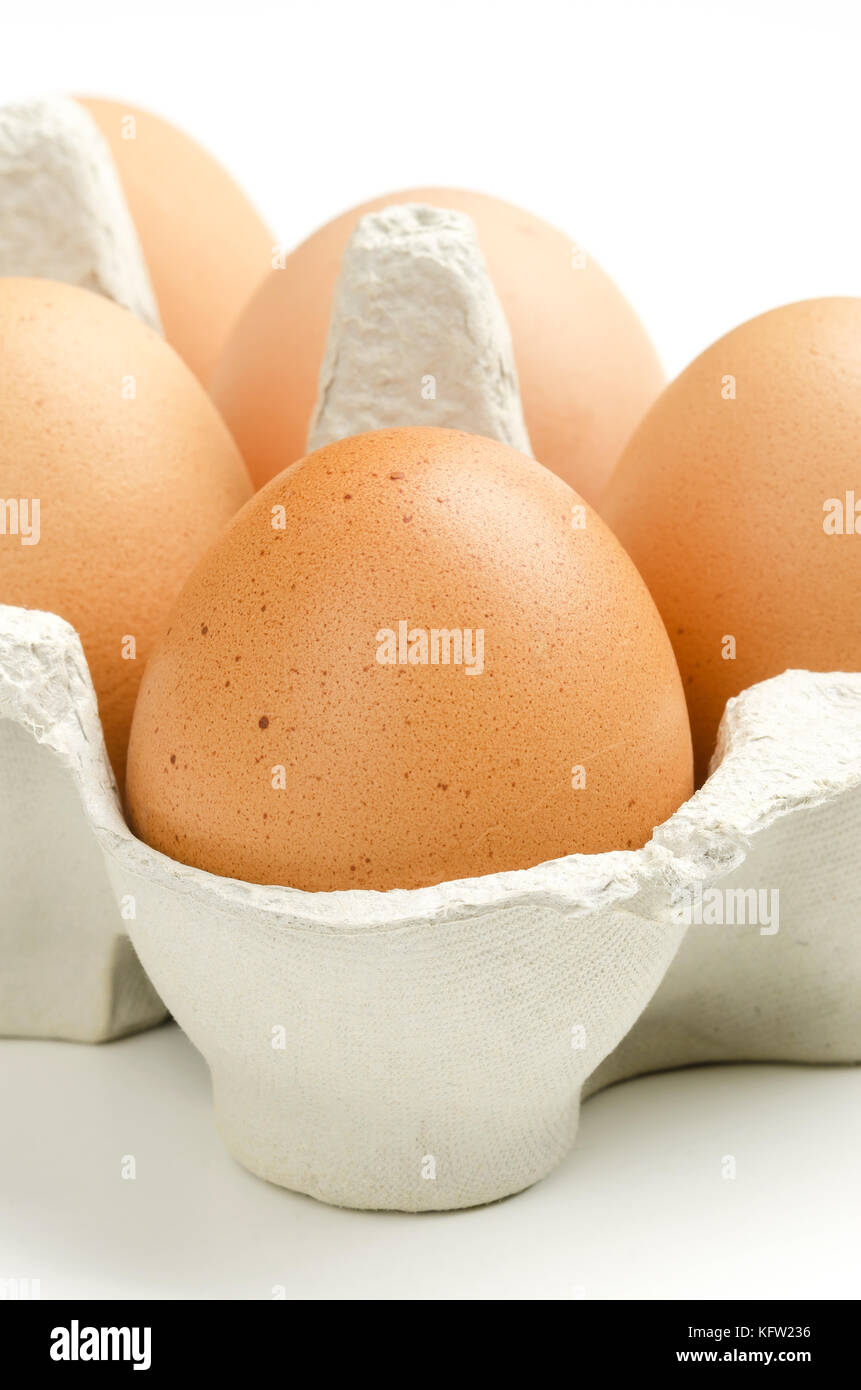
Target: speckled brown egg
{"type": "Point", "coordinates": [116, 472]}
{"type": "Point", "coordinates": [586, 367]}
{"type": "Point", "coordinates": [739, 500]}
{"type": "Point", "coordinates": [414, 656]}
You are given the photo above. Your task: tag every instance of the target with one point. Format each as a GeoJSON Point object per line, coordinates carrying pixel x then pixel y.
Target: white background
{"type": "Point", "coordinates": [639, 1209]}
{"type": "Point", "coordinates": [709, 156]}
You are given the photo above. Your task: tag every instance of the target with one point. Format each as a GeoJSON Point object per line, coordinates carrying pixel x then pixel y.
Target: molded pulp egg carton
{"type": "Point", "coordinates": [436, 1041]}
{"type": "Point", "coordinates": [429, 1048]}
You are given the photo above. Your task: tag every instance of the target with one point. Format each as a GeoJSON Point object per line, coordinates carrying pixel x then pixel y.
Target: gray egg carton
{"type": "Point", "coordinates": [429, 1049]}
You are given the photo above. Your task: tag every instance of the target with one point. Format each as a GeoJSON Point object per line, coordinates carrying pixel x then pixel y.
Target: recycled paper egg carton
{"type": "Point", "coordinates": [63, 214]}
{"type": "Point", "coordinates": [429, 1048]}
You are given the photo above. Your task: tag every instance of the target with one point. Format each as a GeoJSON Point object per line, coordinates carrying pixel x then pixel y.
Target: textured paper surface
{"type": "Point", "coordinates": [63, 214]}
{"type": "Point", "coordinates": [417, 334]}
{"type": "Point", "coordinates": [67, 967]}
{"type": "Point", "coordinates": [431, 1045]}
{"type": "Point", "coordinates": [789, 758]}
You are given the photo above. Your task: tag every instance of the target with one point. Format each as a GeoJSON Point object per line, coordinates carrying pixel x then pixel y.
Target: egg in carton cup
{"type": "Point", "coordinates": [428, 1048]}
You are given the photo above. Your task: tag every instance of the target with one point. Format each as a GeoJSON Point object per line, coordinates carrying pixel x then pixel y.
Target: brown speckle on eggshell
{"type": "Point", "coordinates": [408, 773]}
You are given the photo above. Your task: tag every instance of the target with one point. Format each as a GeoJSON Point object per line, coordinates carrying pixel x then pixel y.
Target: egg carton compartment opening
{"type": "Point", "coordinates": [428, 1049]}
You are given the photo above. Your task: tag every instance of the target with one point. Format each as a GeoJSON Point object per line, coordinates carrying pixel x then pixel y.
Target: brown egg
{"type": "Point", "coordinates": [726, 500]}
{"type": "Point", "coordinates": [133, 470]}
{"type": "Point", "coordinates": [587, 370]}
{"type": "Point", "coordinates": [299, 724]}
{"type": "Point", "coordinates": [205, 246]}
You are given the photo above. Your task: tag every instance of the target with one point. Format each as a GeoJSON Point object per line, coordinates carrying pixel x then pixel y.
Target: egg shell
{"type": "Point", "coordinates": [722, 501]}
{"type": "Point", "coordinates": [131, 488]}
{"type": "Point", "coordinates": [206, 247]}
{"type": "Point", "coordinates": [403, 773]}
{"type": "Point", "coordinates": [587, 369]}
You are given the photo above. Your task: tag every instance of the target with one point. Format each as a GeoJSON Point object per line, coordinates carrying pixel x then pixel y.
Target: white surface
{"type": "Point", "coordinates": [622, 1218]}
